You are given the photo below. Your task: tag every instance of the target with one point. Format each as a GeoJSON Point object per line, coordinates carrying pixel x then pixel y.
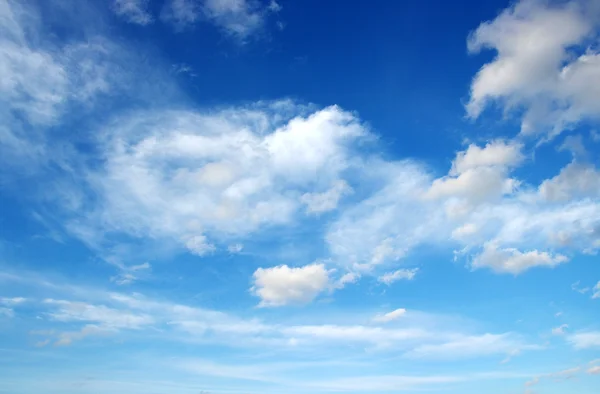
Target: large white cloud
{"type": "Point", "coordinates": [194, 178]}
{"type": "Point", "coordinates": [540, 68]}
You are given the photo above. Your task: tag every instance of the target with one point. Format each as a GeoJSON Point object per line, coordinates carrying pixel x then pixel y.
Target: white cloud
{"type": "Point", "coordinates": [574, 181]}
{"type": "Point", "coordinates": [402, 274]}
{"type": "Point", "coordinates": [595, 370]}
{"type": "Point", "coordinates": [12, 301]}
{"type": "Point", "coordinates": [274, 6]}
{"type": "Point", "coordinates": [133, 11]}
{"type": "Point", "coordinates": [7, 312]}
{"type": "Point", "coordinates": [473, 346]}
{"type": "Point", "coordinates": [555, 376]}
{"type": "Point", "coordinates": [390, 316]}
{"type": "Point", "coordinates": [513, 261]}
{"type": "Point", "coordinates": [8, 303]}
{"type": "Point", "coordinates": [68, 337]}
{"type": "Point", "coordinates": [560, 330]}
{"type": "Point", "coordinates": [239, 18]}
{"type": "Point", "coordinates": [596, 293]}
{"type": "Point", "coordinates": [129, 274]}
{"type": "Point", "coordinates": [69, 311]}
{"type": "Point", "coordinates": [539, 68]}
{"type": "Point", "coordinates": [323, 202]}
{"type": "Point", "coordinates": [575, 287]}
{"type": "Point", "coordinates": [585, 340]}
{"type": "Point", "coordinates": [283, 285]}
{"type": "Point", "coordinates": [479, 174]}
{"type": "Point", "coordinates": [497, 153]}
{"type": "Point", "coordinates": [42, 80]}
{"type": "Point", "coordinates": [235, 248]}
{"type": "Point", "coordinates": [181, 13]}
{"type": "Point", "coordinates": [202, 179]}
{"type": "Point", "coordinates": [349, 277]}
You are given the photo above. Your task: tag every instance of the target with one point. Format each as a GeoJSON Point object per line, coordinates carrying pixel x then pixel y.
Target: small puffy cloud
{"type": "Point", "coordinates": [560, 330]}
{"type": "Point", "coordinates": [323, 202]}
{"type": "Point", "coordinates": [133, 11]}
{"type": "Point", "coordinates": [585, 340]}
{"type": "Point", "coordinates": [235, 248]}
{"type": "Point", "coordinates": [390, 316]}
{"type": "Point", "coordinates": [274, 6]}
{"type": "Point", "coordinates": [596, 293]}
{"type": "Point", "coordinates": [284, 285]}
{"type": "Point", "coordinates": [68, 337]}
{"type": "Point", "coordinates": [513, 261]}
{"type": "Point", "coordinates": [402, 274]}
{"type": "Point", "coordinates": [199, 245]}
{"type": "Point", "coordinates": [582, 290]}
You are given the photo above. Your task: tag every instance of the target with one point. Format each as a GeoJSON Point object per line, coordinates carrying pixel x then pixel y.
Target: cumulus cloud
{"type": "Point", "coordinates": [538, 68]}
{"type": "Point", "coordinates": [596, 293]}
{"type": "Point", "coordinates": [133, 11]}
{"type": "Point", "coordinates": [595, 370]}
{"type": "Point", "coordinates": [284, 285]}
{"type": "Point", "coordinates": [201, 178]}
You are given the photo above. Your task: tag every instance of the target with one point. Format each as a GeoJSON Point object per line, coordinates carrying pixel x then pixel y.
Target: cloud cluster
{"type": "Point", "coordinates": [236, 18]}
{"type": "Point", "coordinates": [202, 180]}
{"type": "Point", "coordinates": [539, 70]}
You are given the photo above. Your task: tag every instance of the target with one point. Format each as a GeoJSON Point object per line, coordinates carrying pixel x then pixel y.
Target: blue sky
{"type": "Point", "coordinates": [239, 196]}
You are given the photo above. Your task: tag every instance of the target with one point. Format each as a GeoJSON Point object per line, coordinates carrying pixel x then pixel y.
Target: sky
{"type": "Point", "coordinates": [284, 196]}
